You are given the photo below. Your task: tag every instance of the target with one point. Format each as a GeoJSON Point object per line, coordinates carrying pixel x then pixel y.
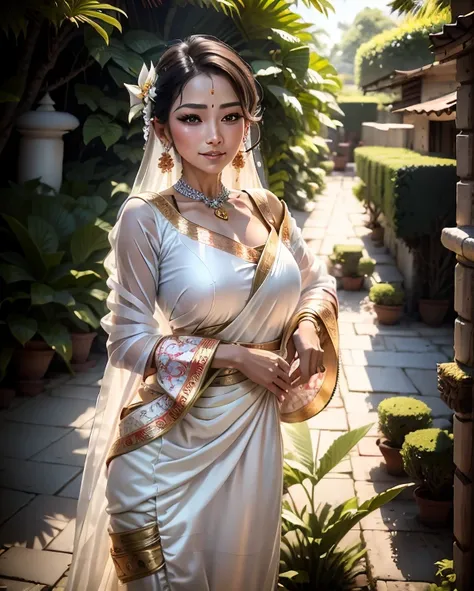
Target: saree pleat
{"type": "Point", "coordinates": [211, 479]}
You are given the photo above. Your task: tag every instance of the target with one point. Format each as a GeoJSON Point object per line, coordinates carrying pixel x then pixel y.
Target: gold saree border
{"type": "Point", "coordinates": [137, 553]}
{"type": "Point", "coordinates": [204, 235]}
{"type": "Point", "coordinates": [189, 393]}
{"type": "Point", "coordinates": [325, 311]}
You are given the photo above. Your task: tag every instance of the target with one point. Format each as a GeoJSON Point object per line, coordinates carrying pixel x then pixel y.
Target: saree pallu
{"type": "Point", "coordinates": [197, 468]}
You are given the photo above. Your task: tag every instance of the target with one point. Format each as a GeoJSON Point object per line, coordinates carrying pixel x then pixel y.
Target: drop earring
{"type": "Point", "coordinates": [165, 161]}
{"type": "Point", "coordinates": [239, 160]}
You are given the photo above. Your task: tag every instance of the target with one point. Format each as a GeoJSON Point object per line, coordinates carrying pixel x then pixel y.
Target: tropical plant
{"type": "Point", "coordinates": [419, 7]}
{"type": "Point", "coordinates": [36, 33]}
{"type": "Point", "coordinates": [447, 575]}
{"type": "Point", "coordinates": [386, 294]}
{"type": "Point", "coordinates": [52, 264]}
{"type": "Point", "coordinates": [401, 415]}
{"type": "Point", "coordinates": [310, 554]}
{"type": "Point", "coordinates": [428, 458]}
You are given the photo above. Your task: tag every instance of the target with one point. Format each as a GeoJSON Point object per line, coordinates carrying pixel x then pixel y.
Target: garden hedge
{"type": "Point", "coordinates": [404, 48]}
{"type": "Point", "coordinates": [412, 190]}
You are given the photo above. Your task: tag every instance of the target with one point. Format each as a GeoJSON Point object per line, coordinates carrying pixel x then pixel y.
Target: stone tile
{"type": "Point", "coordinates": [346, 328]}
{"type": "Point", "coordinates": [22, 440]}
{"type": "Point", "coordinates": [366, 490]}
{"type": "Point", "coordinates": [397, 359]}
{"type": "Point", "coordinates": [438, 408]}
{"type": "Point", "coordinates": [12, 585]}
{"type": "Point", "coordinates": [448, 351]}
{"type": "Point", "coordinates": [411, 344]}
{"type": "Point", "coordinates": [360, 231]}
{"type": "Point", "coordinates": [313, 233]}
{"type": "Point", "coordinates": [362, 342]}
{"type": "Point", "coordinates": [378, 379]}
{"type": "Point", "coordinates": [330, 420]}
{"type": "Point", "coordinates": [377, 329]}
{"type": "Point", "coordinates": [401, 556]}
{"type": "Point", "coordinates": [447, 340]}
{"type": "Point", "coordinates": [360, 402]}
{"type": "Point", "coordinates": [368, 447]}
{"type": "Point", "coordinates": [387, 273]}
{"type": "Point", "coordinates": [425, 380]}
{"type": "Point", "coordinates": [326, 439]}
{"type": "Point", "coordinates": [360, 317]}
{"type": "Point", "coordinates": [61, 585]}
{"type": "Point", "coordinates": [64, 542]}
{"type": "Point", "coordinates": [336, 402]}
{"type": "Point", "coordinates": [373, 469]}
{"type": "Point", "coordinates": [69, 450]}
{"type": "Point", "coordinates": [38, 566]}
{"type": "Point", "coordinates": [48, 410]}
{"type": "Point", "coordinates": [345, 355]}
{"type": "Point", "coordinates": [399, 586]}
{"type": "Point", "coordinates": [79, 391]}
{"type": "Point", "coordinates": [398, 515]}
{"type": "Point", "coordinates": [329, 490]}
{"type": "Point", "coordinates": [314, 245]}
{"type": "Point", "coordinates": [361, 419]}
{"type": "Point", "coordinates": [434, 331]}
{"type": "Point", "coordinates": [37, 477]}
{"type": "Point", "coordinates": [11, 501]}
{"type": "Point", "coordinates": [72, 489]}
{"type": "Point", "coordinates": [52, 507]}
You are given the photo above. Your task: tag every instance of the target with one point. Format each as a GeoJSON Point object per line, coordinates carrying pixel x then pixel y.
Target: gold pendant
{"type": "Point", "coordinates": [221, 213]}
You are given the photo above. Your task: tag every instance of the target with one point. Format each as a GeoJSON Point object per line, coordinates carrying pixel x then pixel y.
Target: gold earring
{"type": "Point", "coordinates": [166, 162]}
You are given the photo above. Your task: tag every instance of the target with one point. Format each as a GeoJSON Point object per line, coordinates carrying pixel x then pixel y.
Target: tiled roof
{"type": "Point", "coordinates": [454, 38]}
{"type": "Point", "coordinates": [443, 104]}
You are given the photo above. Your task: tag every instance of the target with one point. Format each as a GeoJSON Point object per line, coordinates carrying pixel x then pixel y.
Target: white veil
{"type": "Point", "coordinates": [92, 568]}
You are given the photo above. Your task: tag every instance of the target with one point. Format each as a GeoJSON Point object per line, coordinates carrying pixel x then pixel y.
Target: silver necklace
{"type": "Point", "coordinates": [215, 203]}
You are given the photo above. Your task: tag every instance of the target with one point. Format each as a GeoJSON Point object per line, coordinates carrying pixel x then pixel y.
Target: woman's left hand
{"type": "Point", "coordinates": [310, 353]}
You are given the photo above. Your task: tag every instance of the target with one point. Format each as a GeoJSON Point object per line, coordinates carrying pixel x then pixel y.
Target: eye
{"type": "Point", "coordinates": [232, 117]}
{"type": "Point", "coordinates": [190, 118]}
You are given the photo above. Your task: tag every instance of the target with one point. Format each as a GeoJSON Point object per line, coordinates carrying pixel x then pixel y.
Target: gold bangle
{"type": "Point", "coordinates": [313, 321]}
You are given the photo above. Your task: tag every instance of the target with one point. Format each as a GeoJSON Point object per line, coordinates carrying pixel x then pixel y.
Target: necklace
{"type": "Point", "coordinates": [186, 190]}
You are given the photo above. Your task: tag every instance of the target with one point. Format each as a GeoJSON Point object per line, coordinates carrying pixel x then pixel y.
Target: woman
{"type": "Point", "coordinates": [219, 314]}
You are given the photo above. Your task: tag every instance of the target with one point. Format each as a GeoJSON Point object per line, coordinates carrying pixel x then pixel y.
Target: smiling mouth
{"type": "Point", "coordinates": [213, 154]}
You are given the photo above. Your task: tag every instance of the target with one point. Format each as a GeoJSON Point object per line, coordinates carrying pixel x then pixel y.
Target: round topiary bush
{"type": "Point", "coordinates": [386, 294]}
{"type": "Point", "coordinates": [366, 267]}
{"type": "Point", "coordinates": [428, 457]}
{"type": "Point", "coordinates": [401, 415]}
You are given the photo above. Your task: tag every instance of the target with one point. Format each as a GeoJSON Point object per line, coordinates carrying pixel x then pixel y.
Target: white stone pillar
{"type": "Point", "coordinates": [41, 144]}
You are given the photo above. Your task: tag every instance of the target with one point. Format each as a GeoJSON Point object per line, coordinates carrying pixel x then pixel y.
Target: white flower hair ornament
{"type": "Point", "coordinates": [142, 96]}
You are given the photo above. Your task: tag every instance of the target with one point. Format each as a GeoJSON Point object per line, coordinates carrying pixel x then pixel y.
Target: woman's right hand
{"type": "Point", "coordinates": [267, 369]}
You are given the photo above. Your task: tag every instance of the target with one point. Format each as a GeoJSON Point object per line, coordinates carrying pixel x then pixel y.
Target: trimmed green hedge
{"type": "Point", "coordinates": [411, 189]}
{"type": "Point", "coordinates": [356, 112]}
{"type": "Point", "coordinates": [405, 48]}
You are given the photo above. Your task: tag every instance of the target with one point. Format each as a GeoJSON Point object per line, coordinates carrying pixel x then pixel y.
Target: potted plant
{"type": "Point", "coordinates": [388, 302]}
{"type": "Point", "coordinates": [428, 458]}
{"type": "Point", "coordinates": [353, 267]}
{"type": "Point", "coordinates": [399, 416]}
{"type": "Point", "coordinates": [377, 234]}
{"type": "Point", "coordinates": [340, 161]}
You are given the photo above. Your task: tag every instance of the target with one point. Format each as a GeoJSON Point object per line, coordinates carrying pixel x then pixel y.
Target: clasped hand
{"type": "Point", "coordinates": [273, 372]}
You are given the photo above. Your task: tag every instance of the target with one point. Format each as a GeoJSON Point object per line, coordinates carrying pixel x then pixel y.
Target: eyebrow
{"type": "Point", "coordinates": [198, 106]}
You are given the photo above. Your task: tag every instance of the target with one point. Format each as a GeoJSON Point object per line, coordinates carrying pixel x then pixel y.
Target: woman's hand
{"type": "Point", "coordinates": [305, 342]}
{"type": "Point", "coordinates": [267, 369]}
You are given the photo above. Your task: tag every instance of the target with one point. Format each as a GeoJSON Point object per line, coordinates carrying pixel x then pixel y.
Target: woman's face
{"type": "Point", "coordinates": [206, 123]}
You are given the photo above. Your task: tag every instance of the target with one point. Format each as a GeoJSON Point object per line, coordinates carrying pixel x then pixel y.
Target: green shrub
{"type": "Point", "coordinates": [405, 48]}
{"type": "Point", "coordinates": [327, 165]}
{"type": "Point", "coordinates": [386, 294]}
{"type": "Point", "coordinates": [401, 415]}
{"type": "Point", "coordinates": [348, 256]}
{"type": "Point", "coordinates": [428, 457]}
{"type": "Point", "coordinates": [417, 195]}
{"type": "Point", "coordinates": [360, 191]}
{"type": "Point", "coordinates": [366, 267]}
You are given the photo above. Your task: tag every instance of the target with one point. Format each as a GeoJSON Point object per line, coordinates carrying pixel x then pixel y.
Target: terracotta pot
{"type": "Point", "coordinates": [81, 347]}
{"type": "Point", "coordinates": [392, 457]}
{"type": "Point", "coordinates": [340, 163]}
{"type": "Point", "coordinates": [377, 235]}
{"type": "Point", "coordinates": [352, 283]}
{"type": "Point", "coordinates": [31, 363]}
{"type": "Point", "coordinates": [432, 312]}
{"type": "Point", "coordinates": [6, 396]}
{"type": "Point", "coordinates": [431, 512]}
{"type": "Point", "coordinates": [388, 314]}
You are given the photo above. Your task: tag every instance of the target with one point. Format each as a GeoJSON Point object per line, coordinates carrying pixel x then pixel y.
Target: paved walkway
{"type": "Point", "coordinates": [43, 440]}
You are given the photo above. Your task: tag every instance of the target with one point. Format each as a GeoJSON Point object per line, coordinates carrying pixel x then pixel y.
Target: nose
{"type": "Point", "coordinates": [214, 136]}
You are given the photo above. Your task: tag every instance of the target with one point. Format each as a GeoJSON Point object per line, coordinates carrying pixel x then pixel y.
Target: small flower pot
{"type": "Point", "coordinates": [377, 235]}
{"type": "Point", "coordinates": [81, 347]}
{"type": "Point", "coordinates": [6, 396]}
{"type": "Point", "coordinates": [432, 513]}
{"type": "Point", "coordinates": [388, 314]}
{"type": "Point", "coordinates": [432, 312]}
{"type": "Point", "coordinates": [340, 163]}
{"type": "Point", "coordinates": [352, 283]}
{"type": "Point", "coordinates": [392, 457]}
{"type": "Point", "coordinates": [31, 363]}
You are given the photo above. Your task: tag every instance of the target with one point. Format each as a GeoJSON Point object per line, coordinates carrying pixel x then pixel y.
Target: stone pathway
{"type": "Point", "coordinates": [43, 440]}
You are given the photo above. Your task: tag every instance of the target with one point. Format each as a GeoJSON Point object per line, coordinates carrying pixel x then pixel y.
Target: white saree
{"type": "Point", "coordinates": [192, 492]}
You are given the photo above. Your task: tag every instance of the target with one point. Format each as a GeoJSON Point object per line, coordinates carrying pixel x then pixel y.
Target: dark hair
{"type": "Point", "coordinates": [202, 54]}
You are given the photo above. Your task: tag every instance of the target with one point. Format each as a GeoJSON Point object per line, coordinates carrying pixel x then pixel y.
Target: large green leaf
{"type": "Point", "coordinates": [113, 106]}
{"type": "Point", "coordinates": [297, 60]}
{"type": "Point", "coordinates": [288, 100]}
{"type": "Point", "coordinates": [58, 338]}
{"type": "Point", "coordinates": [94, 203]}
{"type": "Point", "coordinates": [13, 274]}
{"type": "Point", "coordinates": [43, 234]}
{"type": "Point", "coordinates": [89, 95]}
{"type": "Point", "coordinates": [28, 245]}
{"type": "Point", "coordinates": [22, 328]}
{"type": "Point", "coordinates": [99, 125]}
{"type": "Point", "coordinates": [87, 240]}
{"type": "Point", "coordinates": [41, 294]}
{"type": "Point", "coordinates": [84, 313]}
{"type": "Point", "coordinates": [339, 450]}
{"type": "Point", "coordinates": [292, 518]}
{"type": "Point", "coordinates": [141, 41]}
{"type": "Point", "coordinates": [300, 438]}
{"type": "Point", "coordinates": [59, 218]}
